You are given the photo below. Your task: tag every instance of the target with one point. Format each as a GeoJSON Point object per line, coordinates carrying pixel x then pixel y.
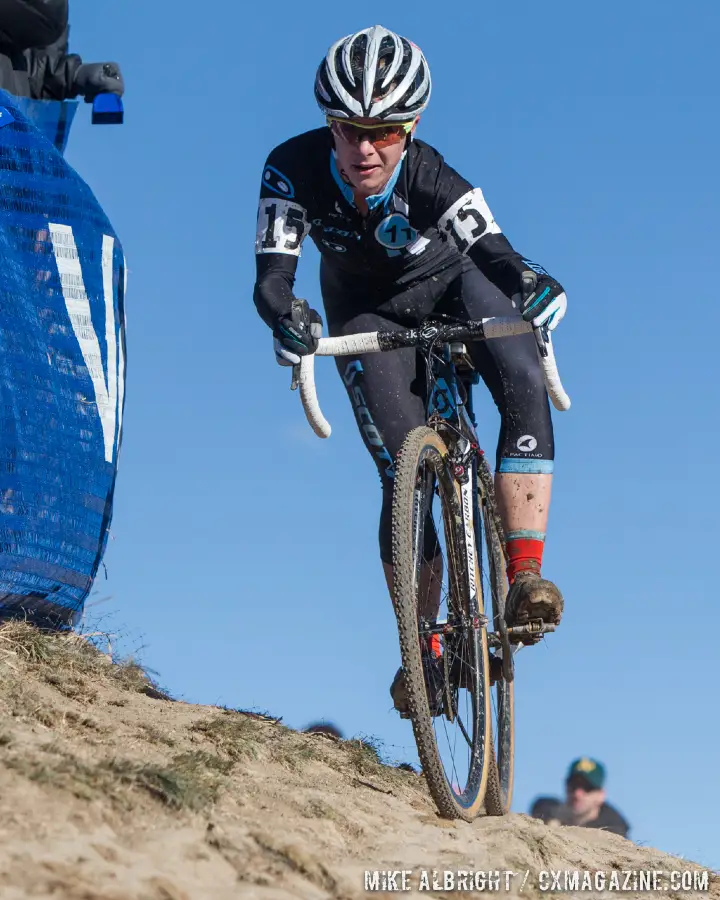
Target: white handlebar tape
{"type": "Point", "coordinates": [309, 398]}
{"type": "Point", "coordinates": [553, 385]}
{"type": "Point", "coordinates": [367, 342]}
{"type": "Point", "coordinates": [337, 346]}
{"type": "Point", "coordinates": [505, 326]}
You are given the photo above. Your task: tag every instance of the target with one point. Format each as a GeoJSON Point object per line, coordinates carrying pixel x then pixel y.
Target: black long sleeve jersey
{"type": "Point", "coordinates": [427, 217]}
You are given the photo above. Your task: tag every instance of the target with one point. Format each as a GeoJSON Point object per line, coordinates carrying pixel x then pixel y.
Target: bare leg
{"type": "Point", "coordinates": [523, 501]}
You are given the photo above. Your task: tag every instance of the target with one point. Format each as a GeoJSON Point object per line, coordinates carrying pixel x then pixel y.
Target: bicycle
{"type": "Point", "coordinates": [450, 584]}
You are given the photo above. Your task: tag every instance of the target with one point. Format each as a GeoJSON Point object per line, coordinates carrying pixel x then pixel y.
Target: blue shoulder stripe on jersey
{"type": "Point", "coordinates": [376, 199]}
{"type": "Point", "coordinates": [346, 190]}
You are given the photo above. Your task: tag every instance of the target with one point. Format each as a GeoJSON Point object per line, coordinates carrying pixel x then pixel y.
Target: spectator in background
{"type": "Point", "coordinates": [324, 728]}
{"type": "Point", "coordinates": [547, 809]}
{"type": "Point", "coordinates": [584, 801]}
{"type": "Point", "coordinates": [34, 58]}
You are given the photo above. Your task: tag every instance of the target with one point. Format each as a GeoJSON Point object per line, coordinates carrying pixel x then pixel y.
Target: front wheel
{"type": "Point", "coordinates": [491, 545]}
{"type": "Point", "coordinates": [443, 638]}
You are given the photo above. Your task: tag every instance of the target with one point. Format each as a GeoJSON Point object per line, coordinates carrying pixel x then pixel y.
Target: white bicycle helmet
{"type": "Point", "coordinates": [374, 74]}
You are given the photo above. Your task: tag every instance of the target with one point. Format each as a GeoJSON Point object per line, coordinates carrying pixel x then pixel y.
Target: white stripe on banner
{"type": "Point", "coordinates": [121, 354]}
{"type": "Point", "coordinates": [108, 245]}
{"type": "Point", "coordinates": [78, 307]}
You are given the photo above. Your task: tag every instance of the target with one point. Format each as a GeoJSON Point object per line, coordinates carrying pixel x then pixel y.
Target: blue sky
{"type": "Point", "coordinates": [244, 550]}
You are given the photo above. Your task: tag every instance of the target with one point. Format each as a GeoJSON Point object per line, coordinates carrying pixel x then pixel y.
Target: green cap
{"type": "Point", "coordinates": [590, 770]}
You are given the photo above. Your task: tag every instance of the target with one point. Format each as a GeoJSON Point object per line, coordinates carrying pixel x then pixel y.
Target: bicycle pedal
{"type": "Point", "coordinates": [532, 629]}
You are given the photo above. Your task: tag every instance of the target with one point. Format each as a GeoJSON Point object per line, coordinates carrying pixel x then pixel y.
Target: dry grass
{"type": "Point", "coordinates": [74, 687]}
{"type": "Point", "coordinates": [189, 781]}
{"type": "Point", "coordinates": [297, 757]}
{"type": "Point", "coordinates": [365, 754]}
{"type": "Point", "coordinates": [245, 735]}
{"type": "Point", "coordinates": [22, 700]}
{"type": "Point", "coordinates": [294, 751]}
{"type": "Point", "coordinates": [69, 662]}
{"type": "Point", "coordinates": [155, 735]}
{"type": "Point", "coordinates": [75, 668]}
{"type": "Point", "coordinates": [233, 733]}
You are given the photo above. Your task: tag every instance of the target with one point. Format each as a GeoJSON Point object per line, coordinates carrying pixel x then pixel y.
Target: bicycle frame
{"type": "Point", "coordinates": [444, 396]}
{"type": "Point", "coordinates": [450, 399]}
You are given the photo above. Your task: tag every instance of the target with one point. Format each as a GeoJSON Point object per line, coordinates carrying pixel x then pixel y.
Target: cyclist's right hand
{"type": "Point", "coordinates": [297, 334]}
{"type": "Point", "coordinates": [92, 79]}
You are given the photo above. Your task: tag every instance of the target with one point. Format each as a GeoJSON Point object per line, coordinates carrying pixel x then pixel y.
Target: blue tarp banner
{"type": "Point", "coordinates": [62, 376]}
{"type": "Point", "coordinates": [51, 118]}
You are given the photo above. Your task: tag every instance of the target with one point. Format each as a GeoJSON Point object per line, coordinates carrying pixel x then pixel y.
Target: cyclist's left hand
{"type": "Point", "coordinates": [543, 300]}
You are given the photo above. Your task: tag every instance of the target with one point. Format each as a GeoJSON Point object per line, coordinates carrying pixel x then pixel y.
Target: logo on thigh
{"type": "Point", "coordinates": [364, 418]}
{"type": "Point", "coordinates": [527, 443]}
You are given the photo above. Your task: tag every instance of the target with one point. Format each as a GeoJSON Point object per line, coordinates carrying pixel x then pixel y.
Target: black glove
{"type": "Point", "coordinates": [543, 299]}
{"type": "Point", "coordinates": [297, 334]}
{"type": "Point", "coordinates": [92, 79]}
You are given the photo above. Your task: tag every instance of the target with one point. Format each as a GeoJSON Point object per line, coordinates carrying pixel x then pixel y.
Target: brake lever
{"type": "Point", "coordinates": [542, 338]}
{"type": "Point", "coordinates": [295, 377]}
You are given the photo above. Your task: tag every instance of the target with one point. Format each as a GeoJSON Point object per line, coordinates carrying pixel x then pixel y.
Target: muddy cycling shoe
{"type": "Point", "coordinates": [434, 681]}
{"type": "Point", "coordinates": [532, 597]}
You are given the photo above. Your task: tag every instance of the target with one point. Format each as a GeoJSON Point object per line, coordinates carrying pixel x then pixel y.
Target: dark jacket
{"type": "Point", "coordinates": [609, 819]}
{"type": "Point", "coordinates": [25, 24]}
{"type": "Point", "coordinates": [550, 809]}
{"type": "Point", "coordinates": [34, 61]}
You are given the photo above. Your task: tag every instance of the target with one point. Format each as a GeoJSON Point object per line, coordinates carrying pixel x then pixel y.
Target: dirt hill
{"type": "Point", "coordinates": [110, 790]}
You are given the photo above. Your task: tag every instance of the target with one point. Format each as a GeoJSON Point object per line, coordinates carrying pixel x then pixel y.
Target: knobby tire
{"type": "Point", "coordinates": [423, 446]}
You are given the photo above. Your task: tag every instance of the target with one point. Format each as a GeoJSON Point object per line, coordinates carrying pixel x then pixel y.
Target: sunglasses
{"type": "Point", "coordinates": [379, 135]}
{"type": "Point", "coordinates": [581, 784]}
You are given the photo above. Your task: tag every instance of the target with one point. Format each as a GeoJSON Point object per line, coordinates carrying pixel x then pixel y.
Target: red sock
{"type": "Point", "coordinates": [435, 645]}
{"type": "Point", "coordinates": [524, 553]}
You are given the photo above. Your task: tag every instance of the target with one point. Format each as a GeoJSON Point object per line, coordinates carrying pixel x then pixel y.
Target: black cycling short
{"type": "Point", "coordinates": [387, 390]}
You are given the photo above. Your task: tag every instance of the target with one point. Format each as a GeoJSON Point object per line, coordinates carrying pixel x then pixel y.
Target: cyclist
{"type": "Point", "coordinates": [402, 235]}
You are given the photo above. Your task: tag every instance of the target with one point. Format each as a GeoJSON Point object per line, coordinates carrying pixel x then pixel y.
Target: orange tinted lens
{"type": "Point", "coordinates": [382, 136]}
{"type": "Point", "coordinates": [389, 135]}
